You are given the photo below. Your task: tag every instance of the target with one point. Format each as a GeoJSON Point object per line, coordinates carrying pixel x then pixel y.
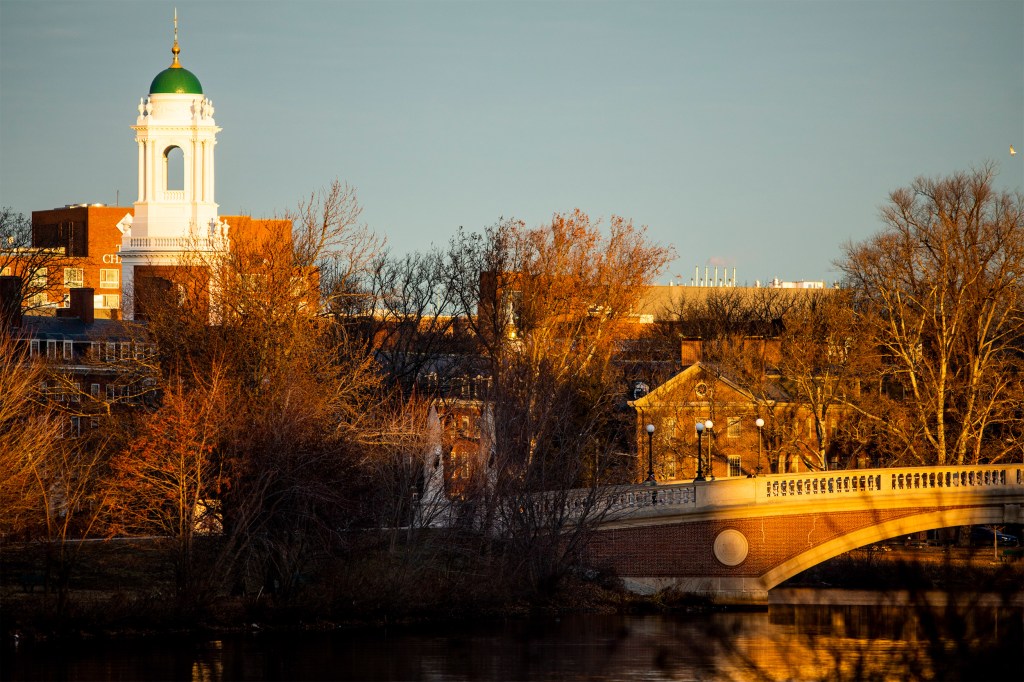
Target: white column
{"type": "Point", "coordinates": [142, 170]}
{"type": "Point", "coordinates": [202, 164]}
{"type": "Point", "coordinates": [152, 176]}
{"type": "Point", "coordinates": [209, 170]}
{"type": "Point", "coordinates": [188, 157]}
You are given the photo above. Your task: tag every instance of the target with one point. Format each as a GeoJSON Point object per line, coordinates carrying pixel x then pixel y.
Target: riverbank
{"type": "Point", "coordinates": [126, 588]}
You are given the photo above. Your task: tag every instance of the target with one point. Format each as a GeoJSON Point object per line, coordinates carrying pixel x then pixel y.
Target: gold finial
{"type": "Point", "coordinates": [175, 50]}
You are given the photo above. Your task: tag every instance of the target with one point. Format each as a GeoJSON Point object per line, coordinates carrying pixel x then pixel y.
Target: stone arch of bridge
{"type": "Point", "coordinates": [906, 525]}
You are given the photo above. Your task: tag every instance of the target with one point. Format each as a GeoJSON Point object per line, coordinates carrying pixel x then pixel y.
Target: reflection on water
{"type": "Point", "coordinates": [945, 639]}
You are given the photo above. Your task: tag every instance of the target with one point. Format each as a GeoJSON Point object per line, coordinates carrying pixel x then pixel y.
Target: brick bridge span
{"type": "Point", "coordinates": [732, 540]}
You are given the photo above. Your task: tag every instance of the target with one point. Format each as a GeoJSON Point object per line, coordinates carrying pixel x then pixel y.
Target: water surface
{"type": "Point", "coordinates": [815, 635]}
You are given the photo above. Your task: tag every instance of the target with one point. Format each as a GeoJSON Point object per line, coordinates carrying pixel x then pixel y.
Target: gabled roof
{"type": "Point", "coordinates": [662, 394]}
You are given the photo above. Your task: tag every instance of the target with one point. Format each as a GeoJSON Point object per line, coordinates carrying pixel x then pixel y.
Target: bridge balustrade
{"type": "Point", "coordinates": [647, 496]}
{"type": "Point", "coordinates": [782, 488]}
{"type": "Point", "coordinates": [824, 484]}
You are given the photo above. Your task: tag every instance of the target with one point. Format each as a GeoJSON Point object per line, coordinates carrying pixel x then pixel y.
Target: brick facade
{"type": "Point", "coordinates": [685, 549]}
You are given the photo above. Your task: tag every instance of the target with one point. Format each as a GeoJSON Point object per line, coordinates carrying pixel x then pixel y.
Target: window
{"type": "Point", "coordinates": [51, 348]}
{"type": "Point", "coordinates": [33, 348]}
{"type": "Point", "coordinates": [112, 301]}
{"type": "Point", "coordinates": [94, 390]}
{"type": "Point", "coordinates": [735, 468]}
{"type": "Point", "coordinates": [111, 353]}
{"type": "Point", "coordinates": [667, 431]}
{"type": "Point", "coordinates": [39, 278]}
{"type": "Point", "coordinates": [74, 278]}
{"type": "Point", "coordinates": [109, 278]}
{"type": "Point", "coordinates": [733, 429]}
{"type": "Point", "coordinates": [69, 350]}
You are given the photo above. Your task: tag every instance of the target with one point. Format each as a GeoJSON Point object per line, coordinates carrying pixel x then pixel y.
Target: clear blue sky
{"type": "Point", "coordinates": [757, 135]}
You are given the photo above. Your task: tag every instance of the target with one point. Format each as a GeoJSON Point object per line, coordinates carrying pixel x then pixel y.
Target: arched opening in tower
{"type": "Point", "coordinates": [174, 169]}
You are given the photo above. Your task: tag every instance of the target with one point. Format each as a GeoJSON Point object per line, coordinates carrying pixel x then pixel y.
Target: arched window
{"type": "Point", "coordinates": [174, 169]}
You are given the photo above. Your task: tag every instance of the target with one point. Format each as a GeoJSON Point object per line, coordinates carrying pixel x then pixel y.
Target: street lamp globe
{"type": "Point", "coordinates": [650, 457]}
{"type": "Point", "coordinates": [759, 423]}
{"type": "Point", "coordinates": [700, 453]}
{"type": "Point", "coordinates": [709, 468]}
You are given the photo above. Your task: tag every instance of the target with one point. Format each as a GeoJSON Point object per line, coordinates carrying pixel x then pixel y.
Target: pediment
{"type": "Point", "coordinates": [698, 383]}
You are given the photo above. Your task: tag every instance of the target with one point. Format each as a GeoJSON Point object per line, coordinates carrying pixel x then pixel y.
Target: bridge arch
{"type": "Point", "coordinates": [906, 525]}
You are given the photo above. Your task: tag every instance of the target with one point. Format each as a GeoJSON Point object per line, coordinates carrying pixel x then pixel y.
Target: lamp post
{"type": "Point", "coordinates": [700, 468]}
{"type": "Point", "coordinates": [759, 423]}
{"type": "Point", "coordinates": [708, 425]}
{"type": "Point", "coordinates": [650, 455]}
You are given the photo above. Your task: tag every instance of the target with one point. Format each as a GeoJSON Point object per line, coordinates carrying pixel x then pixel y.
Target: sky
{"type": "Point", "coordinates": [760, 136]}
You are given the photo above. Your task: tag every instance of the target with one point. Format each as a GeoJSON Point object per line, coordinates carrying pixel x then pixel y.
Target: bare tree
{"type": "Point", "coordinates": [38, 268]}
{"type": "Point", "coordinates": [940, 287]}
{"type": "Point", "coordinates": [168, 478]}
{"type": "Point", "coordinates": [28, 434]}
{"type": "Point", "coordinates": [823, 356]}
{"type": "Point", "coordinates": [55, 487]}
{"type": "Point", "coordinates": [264, 316]}
{"type": "Point", "coordinates": [549, 308]}
{"type": "Point", "coordinates": [413, 324]}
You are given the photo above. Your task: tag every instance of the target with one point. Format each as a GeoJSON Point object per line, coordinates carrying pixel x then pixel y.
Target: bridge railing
{"type": "Point", "coordinates": [813, 486]}
{"type": "Point", "coordinates": [887, 481]}
{"type": "Point", "coordinates": [634, 497]}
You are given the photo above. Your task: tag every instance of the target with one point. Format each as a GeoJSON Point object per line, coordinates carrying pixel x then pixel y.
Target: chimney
{"type": "Point", "coordinates": [10, 302]}
{"type": "Point", "coordinates": [82, 305]}
{"type": "Point", "coordinates": [691, 351]}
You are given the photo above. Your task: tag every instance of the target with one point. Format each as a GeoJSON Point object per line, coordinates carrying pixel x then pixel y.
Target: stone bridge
{"type": "Point", "coordinates": [732, 540]}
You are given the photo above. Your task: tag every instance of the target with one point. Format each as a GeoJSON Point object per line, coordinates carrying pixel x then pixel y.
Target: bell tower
{"type": "Point", "coordinates": [175, 213]}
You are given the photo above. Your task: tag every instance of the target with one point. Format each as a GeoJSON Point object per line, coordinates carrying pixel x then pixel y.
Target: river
{"type": "Point", "coordinates": [803, 635]}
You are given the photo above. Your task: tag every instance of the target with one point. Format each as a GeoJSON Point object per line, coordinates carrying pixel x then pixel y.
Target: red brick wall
{"type": "Point", "coordinates": [685, 549]}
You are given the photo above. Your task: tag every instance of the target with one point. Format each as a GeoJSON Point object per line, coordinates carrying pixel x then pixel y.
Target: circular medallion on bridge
{"type": "Point", "coordinates": [731, 547]}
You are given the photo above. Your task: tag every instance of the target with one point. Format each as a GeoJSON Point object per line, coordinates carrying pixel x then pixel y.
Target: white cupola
{"type": "Point", "coordinates": [175, 212]}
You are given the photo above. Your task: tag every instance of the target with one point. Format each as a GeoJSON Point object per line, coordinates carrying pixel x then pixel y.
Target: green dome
{"type": "Point", "coordinates": [176, 80]}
